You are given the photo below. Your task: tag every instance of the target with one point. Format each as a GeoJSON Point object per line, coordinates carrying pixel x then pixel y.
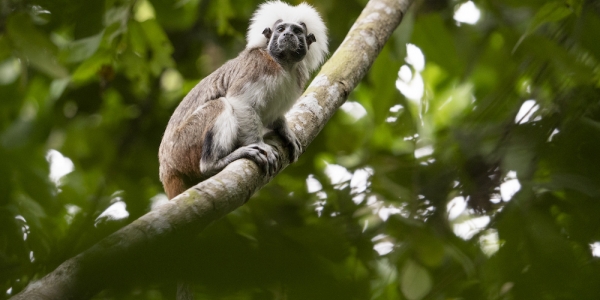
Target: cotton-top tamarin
{"type": "Point", "coordinates": [224, 117]}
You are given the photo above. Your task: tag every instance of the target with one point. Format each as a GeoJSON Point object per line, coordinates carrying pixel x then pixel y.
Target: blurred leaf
{"type": "Point", "coordinates": [450, 104]}
{"type": "Point", "coordinates": [80, 50]}
{"type": "Point", "coordinates": [551, 12]}
{"type": "Point", "coordinates": [177, 16]}
{"type": "Point", "coordinates": [415, 281]}
{"type": "Point", "coordinates": [384, 93]}
{"type": "Point", "coordinates": [431, 35]}
{"type": "Point", "coordinates": [116, 15]}
{"type": "Point", "coordinates": [160, 46]}
{"type": "Point", "coordinates": [34, 45]}
{"type": "Point", "coordinates": [57, 87]}
{"type": "Point", "coordinates": [91, 67]}
{"type": "Point", "coordinates": [222, 11]}
{"type": "Point", "coordinates": [430, 249]}
{"type": "Point", "coordinates": [575, 182]}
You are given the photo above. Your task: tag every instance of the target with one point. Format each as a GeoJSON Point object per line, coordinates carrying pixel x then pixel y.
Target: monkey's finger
{"type": "Point", "coordinates": [270, 161]}
{"type": "Point", "coordinates": [258, 157]}
{"type": "Point", "coordinates": [265, 162]}
{"type": "Point", "coordinates": [271, 158]}
{"type": "Point", "coordinates": [261, 150]}
{"type": "Point", "coordinates": [275, 163]}
{"type": "Point", "coordinates": [294, 150]}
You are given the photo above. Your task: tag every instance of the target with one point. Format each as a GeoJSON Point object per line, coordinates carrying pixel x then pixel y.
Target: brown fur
{"type": "Point", "coordinates": [181, 158]}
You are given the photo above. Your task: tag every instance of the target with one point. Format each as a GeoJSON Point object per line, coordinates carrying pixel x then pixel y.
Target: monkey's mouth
{"type": "Point", "coordinates": [288, 43]}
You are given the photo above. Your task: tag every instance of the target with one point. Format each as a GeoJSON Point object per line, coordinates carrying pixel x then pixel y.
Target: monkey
{"type": "Point", "coordinates": [224, 117]}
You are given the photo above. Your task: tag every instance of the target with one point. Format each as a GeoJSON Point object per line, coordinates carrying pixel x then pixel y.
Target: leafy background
{"type": "Point", "coordinates": [464, 166]}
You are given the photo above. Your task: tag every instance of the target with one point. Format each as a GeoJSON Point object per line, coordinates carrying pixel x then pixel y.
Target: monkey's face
{"type": "Point", "coordinates": [288, 42]}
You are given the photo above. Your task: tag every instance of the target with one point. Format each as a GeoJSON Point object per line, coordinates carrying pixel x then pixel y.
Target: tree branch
{"type": "Point", "coordinates": [189, 213]}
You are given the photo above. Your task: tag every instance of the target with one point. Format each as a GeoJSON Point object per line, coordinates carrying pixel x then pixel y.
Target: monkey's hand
{"type": "Point", "coordinates": [289, 138]}
{"type": "Point", "coordinates": [293, 144]}
{"type": "Point", "coordinates": [263, 155]}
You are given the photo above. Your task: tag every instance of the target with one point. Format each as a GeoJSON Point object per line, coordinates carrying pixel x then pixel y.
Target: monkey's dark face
{"type": "Point", "coordinates": [288, 42]}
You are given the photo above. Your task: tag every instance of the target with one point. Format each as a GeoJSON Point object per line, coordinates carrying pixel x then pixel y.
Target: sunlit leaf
{"type": "Point", "coordinates": [415, 281]}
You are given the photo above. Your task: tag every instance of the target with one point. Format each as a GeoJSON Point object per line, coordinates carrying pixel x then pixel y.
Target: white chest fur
{"type": "Point", "coordinates": [271, 96]}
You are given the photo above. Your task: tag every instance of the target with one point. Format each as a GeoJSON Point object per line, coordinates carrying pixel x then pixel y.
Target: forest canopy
{"type": "Point", "coordinates": [463, 166]}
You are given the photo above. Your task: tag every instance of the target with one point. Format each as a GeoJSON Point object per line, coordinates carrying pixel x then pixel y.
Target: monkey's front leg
{"type": "Point", "coordinates": [281, 127]}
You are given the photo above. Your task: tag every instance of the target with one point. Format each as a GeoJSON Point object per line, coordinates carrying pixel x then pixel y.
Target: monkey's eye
{"type": "Point", "coordinates": [280, 29]}
{"type": "Point", "coordinates": [297, 30]}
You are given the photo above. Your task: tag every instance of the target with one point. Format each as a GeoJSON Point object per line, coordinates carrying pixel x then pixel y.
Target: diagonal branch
{"type": "Point", "coordinates": [189, 213]}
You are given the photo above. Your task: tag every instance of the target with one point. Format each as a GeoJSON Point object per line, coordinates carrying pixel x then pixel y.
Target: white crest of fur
{"type": "Point", "coordinates": [269, 12]}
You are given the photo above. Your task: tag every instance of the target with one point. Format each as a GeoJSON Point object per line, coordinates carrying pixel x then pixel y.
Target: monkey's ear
{"type": "Point", "coordinates": [310, 39]}
{"type": "Point", "coordinates": [267, 33]}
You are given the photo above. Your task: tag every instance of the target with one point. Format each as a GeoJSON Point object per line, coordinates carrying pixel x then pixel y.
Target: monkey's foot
{"type": "Point", "coordinates": [264, 156]}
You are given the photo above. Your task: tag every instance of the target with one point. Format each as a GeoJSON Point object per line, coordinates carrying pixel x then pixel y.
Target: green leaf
{"type": "Point", "coordinates": [90, 67]}
{"type": "Point", "coordinates": [450, 104]}
{"type": "Point", "coordinates": [551, 12]}
{"type": "Point", "coordinates": [116, 15]}
{"type": "Point", "coordinates": [178, 17]}
{"type": "Point", "coordinates": [57, 87]}
{"type": "Point", "coordinates": [137, 39]}
{"type": "Point", "coordinates": [575, 182]}
{"type": "Point", "coordinates": [82, 49]}
{"type": "Point", "coordinates": [431, 35]}
{"type": "Point", "coordinates": [415, 281]}
{"type": "Point", "coordinates": [160, 45]}
{"type": "Point", "coordinates": [429, 248]}
{"type": "Point", "coordinates": [31, 210]}
{"type": "Point", "coordinates": [222, 12]}
{"type": "Point", "coordinates": [10, 70]}
{"type": "Point", "coordinates": [383, 84]}
{"type": "Point", "coordinates": [34, 45]}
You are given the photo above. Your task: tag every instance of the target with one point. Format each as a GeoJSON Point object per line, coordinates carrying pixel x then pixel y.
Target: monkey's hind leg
{"type": "Point", "coordinates": [220, 140]}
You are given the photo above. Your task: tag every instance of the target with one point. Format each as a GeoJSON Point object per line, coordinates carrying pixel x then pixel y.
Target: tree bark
{"type": "Point", "coordinates": [189, 213]}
